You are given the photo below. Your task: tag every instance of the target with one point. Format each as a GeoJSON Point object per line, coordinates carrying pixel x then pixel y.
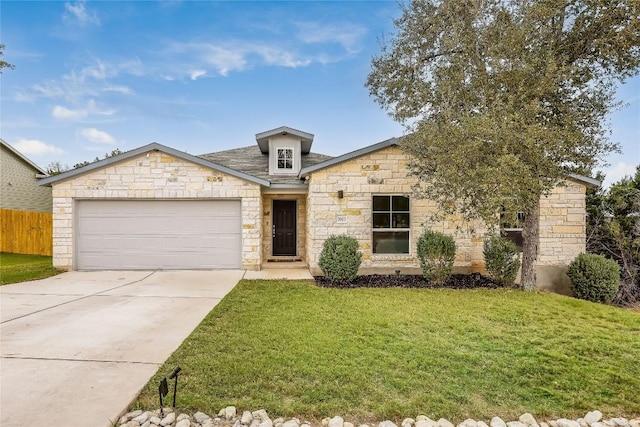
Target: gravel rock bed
{"type": "Point", "coordinates": [455, 281]}
{"type": "Point", "coordinates": [229, 417]}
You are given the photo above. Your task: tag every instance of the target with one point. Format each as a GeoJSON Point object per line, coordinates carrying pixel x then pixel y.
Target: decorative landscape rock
{"type": "Point", "coordinates": [336, 421]}
{"type": "Point", "coordinates": [168, 420]}
{"type": "Point", "coordinates": [593, 417]}
{"type": "Point", "coordinates": [228, 417]}
{"type": "Point", "coordinates": [468, 423]}
{"type": "Point", "coordinates": [497, 422]}
{"type": "Point", "coordinates": [408, 422]}
{"type": "Point", "coordinates": [528, 420]}
{"type": "Point", "coordinates": [247, 418]}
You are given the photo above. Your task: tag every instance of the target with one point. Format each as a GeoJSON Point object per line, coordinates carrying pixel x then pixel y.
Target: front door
{"type": "Point", "coordinates": [284, 228]}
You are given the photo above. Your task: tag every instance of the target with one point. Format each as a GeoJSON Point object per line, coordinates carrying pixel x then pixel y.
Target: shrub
{"type": "Point", "coordinates": [501, 259]}
{"type": "Point", "coordinates": [594, 278]}
{"type": "Point", "coordinates": [340, 259]}
{"type": "Point", "coordinates": [436, 252]}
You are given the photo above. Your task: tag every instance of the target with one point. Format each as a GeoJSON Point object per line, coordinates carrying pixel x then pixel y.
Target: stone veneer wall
{"type": "Point", "coordinates": [562, 234]}
{"type": "Point", "coordinates": [381, 172]}
{"type": "Point", "coordinates": [267, 218]}
{"type": "Point", "coordinates": [155, 175]}
{"type": "Point", "coordinates": [562, 218]}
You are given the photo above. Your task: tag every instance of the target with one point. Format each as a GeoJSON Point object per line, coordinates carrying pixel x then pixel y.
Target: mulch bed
{"type": "Point", "coordinates": [455, 281]}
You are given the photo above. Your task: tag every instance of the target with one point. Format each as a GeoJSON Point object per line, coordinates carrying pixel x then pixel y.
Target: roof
{"type": "Point", "coordinates": [145, 149]}
{"type": "Point", "coordinates": [248, 163]}
{"type": "Point", "coordinates": [585, 179]}
{"type": "Point", "coordinates": [22, 157]}
{"type": "Point", "coordinates": [346, 157]}
{"type": "Point", "coordinates": [252, 161]}
{"type": "Point", "coordinates": [306, 139]}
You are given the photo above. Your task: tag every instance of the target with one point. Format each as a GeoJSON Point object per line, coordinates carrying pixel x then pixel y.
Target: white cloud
{"type": "Point", "coordinates": [197, 73]}
{"type": "Point", "coordinates": [125, 90]}
{"type": "Point", "coordinates": [97, 136]}
{"type": "Point", "coordinates": [345, 34]}
{"type": "Point", "coordinates": [617, 172]}
{"type": "Point", "coordinates": [224, 59]}
{"type": "Point", "coordinates": [34, 147]}
{"type": "Point", "coordinates": [63, 113]}
{"type": "Point", "coordinates": [233, 56]}
{"type": "Point", "coordinates": [48, 90]}
{"type": "Point", "coordinates": [78, 11]}
{"type": "Point", "coordinates": [280, 57]}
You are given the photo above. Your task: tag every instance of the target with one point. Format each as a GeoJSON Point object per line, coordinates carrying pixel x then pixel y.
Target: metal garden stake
{"type": "Point", "coordinates": [173, 375]}
{"type": "Point", "coordinates": [163, 390]}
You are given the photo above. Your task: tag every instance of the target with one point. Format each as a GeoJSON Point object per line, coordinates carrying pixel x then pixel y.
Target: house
{"type": "Point", "coordinates": [274, 201]}
{"type": "Point", "coordinates": [19, 189]}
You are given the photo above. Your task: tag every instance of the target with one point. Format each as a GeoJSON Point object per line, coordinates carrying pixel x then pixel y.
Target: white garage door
{"type": "Point", "coordinates": [158, 234]}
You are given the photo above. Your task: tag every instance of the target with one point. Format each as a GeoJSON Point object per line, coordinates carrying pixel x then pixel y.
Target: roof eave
{"type": "Point", "coordinates": [585, 179]}
{"type": "Point", "coordinates": [306, 138]}
{"type": "Point", "coordinates": [23, 158]}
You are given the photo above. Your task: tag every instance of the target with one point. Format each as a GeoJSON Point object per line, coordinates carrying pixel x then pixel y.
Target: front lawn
{"type": "Point", "coordinates": [21, 268]}
{"type": "Point", "coordinates": [295, 349]}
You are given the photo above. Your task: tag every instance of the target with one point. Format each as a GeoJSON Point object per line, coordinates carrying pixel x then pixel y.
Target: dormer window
{"type": "Point", "coordinates": [285, 147]}
{"type": "Point", "coordinates": [285, 158]}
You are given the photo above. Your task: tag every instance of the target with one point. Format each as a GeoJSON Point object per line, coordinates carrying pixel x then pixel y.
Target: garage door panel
{"type": "Point", "coordinates": [158, 234]}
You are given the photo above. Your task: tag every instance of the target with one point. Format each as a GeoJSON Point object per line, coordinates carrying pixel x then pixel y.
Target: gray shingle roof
{"type": "Point", "coordinates": [251, 161]}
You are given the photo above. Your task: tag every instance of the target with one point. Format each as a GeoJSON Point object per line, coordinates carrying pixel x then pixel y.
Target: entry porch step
{"type": "Point", "coordinates": [284, 262]}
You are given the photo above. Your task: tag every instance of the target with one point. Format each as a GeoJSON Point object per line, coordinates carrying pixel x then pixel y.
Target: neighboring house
{"type": "Point", "coordinates": [19, 189]}
{"type": "Point", "coordinates": [158, 208]}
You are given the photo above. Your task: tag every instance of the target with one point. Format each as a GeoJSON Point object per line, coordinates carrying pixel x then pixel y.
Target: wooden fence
{"type": "Point", "coordinates": [25, 232]}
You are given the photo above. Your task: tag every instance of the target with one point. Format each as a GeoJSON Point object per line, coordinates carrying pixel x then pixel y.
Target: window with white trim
{"type": "Point", "coordinates": [284, 158]}
{"type": "Point", "coordinates": [391, 224]}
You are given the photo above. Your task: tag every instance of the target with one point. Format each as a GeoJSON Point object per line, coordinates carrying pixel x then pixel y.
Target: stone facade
{"type": "Point", "coordinates": [562, 219]}
{"type": "Point", "coordinates": [19, 188]}
{"type": "Point", "coordinates": [562, 224]}
{"type": "Point", "coordinates": [267, 222]}
{"type": "Point", "coordinates": [562, 234]}
{"type": "Point", "coordinates": [155, 175]}
{"type": "Point", "coordinates": [337, 200]}
{"type": "Point", "coordinates": [382, 172]}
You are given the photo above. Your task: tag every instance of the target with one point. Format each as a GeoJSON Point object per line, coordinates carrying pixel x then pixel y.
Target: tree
{"type": "Point", "coordinates": [502, 98]}
{"type": "Point", "coordinates": [613, 230]}
{"type": "Point", "coordinates": [56, 168]}
{"type": "Point", "coordinates": [3, 63]}
{"type": "Point", "coordinates": [106, 156]}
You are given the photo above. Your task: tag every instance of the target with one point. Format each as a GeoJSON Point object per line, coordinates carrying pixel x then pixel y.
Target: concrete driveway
{"type": "Point", "coordinates": [76, 348]}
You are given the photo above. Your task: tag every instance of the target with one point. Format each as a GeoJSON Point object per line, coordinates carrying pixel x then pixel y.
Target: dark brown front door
{"type": "Point", "coordinates": [284, 228]}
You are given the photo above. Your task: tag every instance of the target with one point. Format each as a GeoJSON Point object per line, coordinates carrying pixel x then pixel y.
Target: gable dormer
{"type": "Point", "coordinates": [285, 147]}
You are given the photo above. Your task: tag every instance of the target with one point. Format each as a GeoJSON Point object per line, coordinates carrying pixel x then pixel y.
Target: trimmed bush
{"type": "Point", "coordinates": [501, 259]}
{"type": "Point", "coordinates": [340, 258]}
{"type": "Point", "coordinates": [436, 252]}
{"type": "Point", "coordinates": [594, 278]}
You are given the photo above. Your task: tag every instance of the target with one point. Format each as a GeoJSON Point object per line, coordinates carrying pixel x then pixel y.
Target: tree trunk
{"type": "Point", "coordinates": [530, 231]}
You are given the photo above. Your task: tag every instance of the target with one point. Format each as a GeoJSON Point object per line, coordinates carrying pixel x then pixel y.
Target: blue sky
{"type": "Point", "coordinates": [205, 76]}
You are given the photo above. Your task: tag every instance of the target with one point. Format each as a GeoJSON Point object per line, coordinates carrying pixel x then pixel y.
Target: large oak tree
{"type": "Point", "coordinates": [502, 98]}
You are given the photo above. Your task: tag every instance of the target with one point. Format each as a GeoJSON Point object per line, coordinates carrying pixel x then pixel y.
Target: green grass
{"type": "Point", "coordinates": [371, 354]}
{"type": "Point", "coordinates": [21, 268]}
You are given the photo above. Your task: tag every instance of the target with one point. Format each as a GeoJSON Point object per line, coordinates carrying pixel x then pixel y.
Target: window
{"type": "Point", "coordinates": [511, 227]}
{"type": "Point", "coordinates": [285, 158]}
{"type": "Point", "coordinates": [391, 225]}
